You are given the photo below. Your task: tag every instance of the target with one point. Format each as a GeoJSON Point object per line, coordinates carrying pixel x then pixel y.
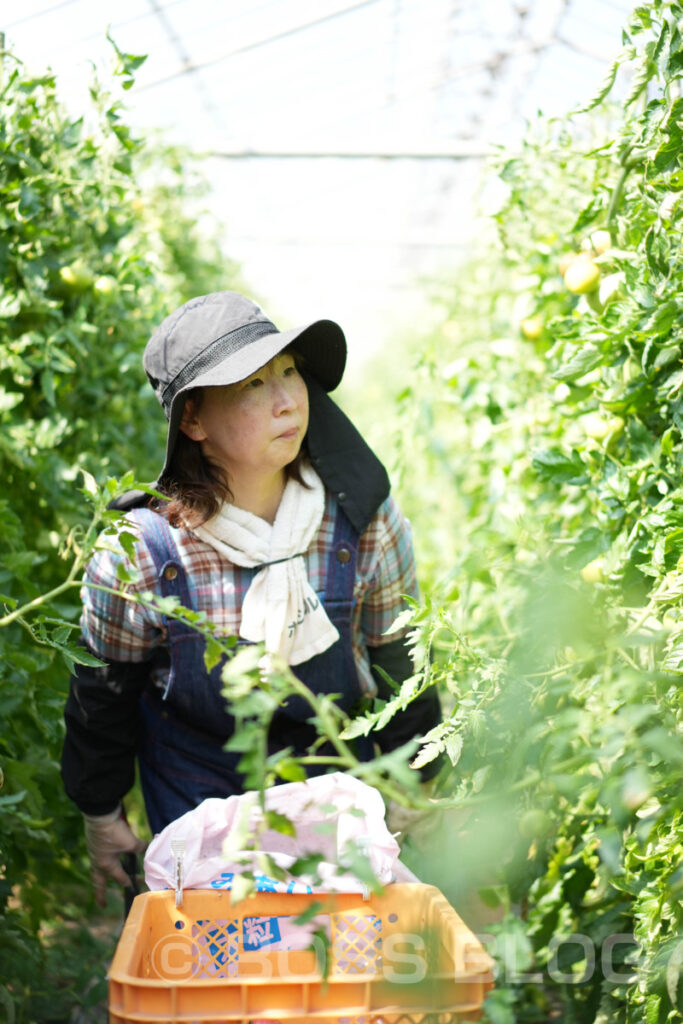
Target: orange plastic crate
{"type": "Point", "coordinates": [404, 957]}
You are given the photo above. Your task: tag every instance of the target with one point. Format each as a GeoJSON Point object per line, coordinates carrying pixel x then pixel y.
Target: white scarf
{"type": "Point", "coordinates": [280, 607]}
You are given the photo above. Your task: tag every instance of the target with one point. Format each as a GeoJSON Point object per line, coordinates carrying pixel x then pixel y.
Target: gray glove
{"type": "Point", "coordinates": [416, 824]}
{"type": "Point", "coordinates": [107, 837]}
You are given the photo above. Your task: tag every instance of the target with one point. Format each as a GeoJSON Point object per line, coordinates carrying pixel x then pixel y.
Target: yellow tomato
{"type": "Point", "coordinates": [601, 241]}
{"type": "Point", "coordinates": [593, 571]}
{"type": "Point", "coordinates": [532, 327]}
{"type": "Point", "coordinates": [582, 277]}
{"type": "Point", "coordinates": [567, 259]}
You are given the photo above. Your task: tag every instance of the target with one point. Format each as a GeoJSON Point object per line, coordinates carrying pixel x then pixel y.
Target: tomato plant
{"type": "Point", "coordinates": [99, 241]}
{"type": "Point", "coordinates": [537, 449]}
{"type": "Point", "coordinates": [542, 471]}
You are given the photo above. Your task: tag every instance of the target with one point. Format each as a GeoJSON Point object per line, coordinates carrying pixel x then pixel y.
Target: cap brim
{"type": "Point", "coordinates": [321, 343]}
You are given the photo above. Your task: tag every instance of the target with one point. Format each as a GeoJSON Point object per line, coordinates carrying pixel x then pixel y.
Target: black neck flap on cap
{"type": "Point", "coordinates": [343, 459]}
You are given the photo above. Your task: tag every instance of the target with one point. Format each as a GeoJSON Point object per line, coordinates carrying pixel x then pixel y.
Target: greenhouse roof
{"type": "Point", "coordinates": [345, 140]}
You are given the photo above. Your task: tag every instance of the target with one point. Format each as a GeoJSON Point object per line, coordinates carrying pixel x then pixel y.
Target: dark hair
{"type": "Point", "coordinates": [195, 486]}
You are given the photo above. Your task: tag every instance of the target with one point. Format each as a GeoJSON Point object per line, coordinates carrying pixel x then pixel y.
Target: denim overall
{"type": "Point", "coordinates": [185, 726]}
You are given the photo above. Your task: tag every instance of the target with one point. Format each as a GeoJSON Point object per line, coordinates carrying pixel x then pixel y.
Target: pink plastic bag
{"type": "Point", "coordinates": [335, 816]}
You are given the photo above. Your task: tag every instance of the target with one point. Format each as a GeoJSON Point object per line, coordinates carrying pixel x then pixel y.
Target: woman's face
{"type": "Point", "coordinates": [255, 426]}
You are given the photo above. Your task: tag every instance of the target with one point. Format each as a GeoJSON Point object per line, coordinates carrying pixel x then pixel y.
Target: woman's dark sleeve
{"type": "Point", "coordinates": [421, 715]}
{"type": "Point", "coordinates": [102, 731]}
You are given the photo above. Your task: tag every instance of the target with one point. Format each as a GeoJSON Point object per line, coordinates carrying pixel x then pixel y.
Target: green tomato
{"type": "Point", "coordinates": [593, 571]}
{"type": "Point", "coordinates": [611, 287]}
{"type": "Point", "coordinates": [534, 824]}
{"type": "Point", "coordinates": [630, 369]}
{"type": "Point", "coordinates": [598, 428]}
{"type": "Point", "coordinates": [105, 285]}
{"type": "Point", "coordinates": [76, 276]}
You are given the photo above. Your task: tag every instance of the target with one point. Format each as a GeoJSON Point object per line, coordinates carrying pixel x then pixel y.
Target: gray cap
{"type": "Point", "coordinates": [224, 337]}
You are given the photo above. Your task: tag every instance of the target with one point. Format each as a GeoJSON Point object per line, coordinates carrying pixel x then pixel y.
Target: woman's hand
{"type": "Point", "coordinates": [107, 837]}
{"type": "Point", "coordinates": [414, 823]}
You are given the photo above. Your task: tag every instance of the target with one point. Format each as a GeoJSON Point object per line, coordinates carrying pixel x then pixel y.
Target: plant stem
{"type": "Point", "coordinates": [67, 584]}
{"type": "Point", "coordinates": [20, 613]}
{"type": "Point", "coordinates": [616, 196]}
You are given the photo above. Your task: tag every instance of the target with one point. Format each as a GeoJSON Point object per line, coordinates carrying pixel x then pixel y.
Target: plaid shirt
{"type": "Point", "coordinates": [121, 630]}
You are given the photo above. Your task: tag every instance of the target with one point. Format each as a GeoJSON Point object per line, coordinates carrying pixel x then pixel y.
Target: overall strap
{"type": "Point", "coordinates": [158, 536]}
{"type": "Point", "coordinates": [341, 563]}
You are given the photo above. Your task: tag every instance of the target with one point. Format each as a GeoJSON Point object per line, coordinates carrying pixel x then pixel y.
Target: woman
{"type": "Point", "coordinates": [279, 525]}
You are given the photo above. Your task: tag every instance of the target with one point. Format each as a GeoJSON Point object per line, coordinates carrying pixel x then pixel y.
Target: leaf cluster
{"type": "Point", "coordinates": [102, 235]}
{"type": "Point", "coordinates": [538, 456]}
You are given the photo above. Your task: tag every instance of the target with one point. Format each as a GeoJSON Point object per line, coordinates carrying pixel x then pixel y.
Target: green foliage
{"type": "Point", "coordinates": [254, 693]}
{"type": "Point", "coordinates": [100, 240]}
{"type": "Point", "coordinates": [539, 457]}
{"type": "Point", "coordinates": [538, 453]}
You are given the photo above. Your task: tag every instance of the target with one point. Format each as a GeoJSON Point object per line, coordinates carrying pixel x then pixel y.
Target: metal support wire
{"type": "Point", "coordinates": [258, 44]}
{"type": "Point", "coordinates": [452, 151]}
